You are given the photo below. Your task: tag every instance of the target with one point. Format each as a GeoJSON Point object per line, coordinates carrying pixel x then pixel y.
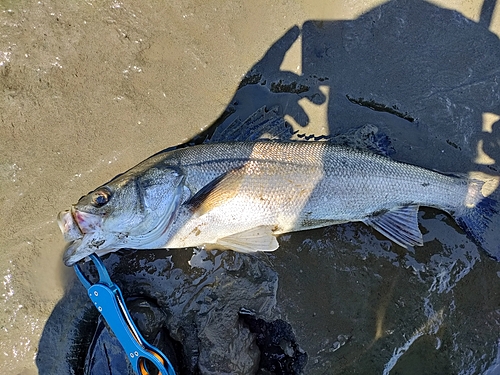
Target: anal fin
{"type": "Point", "coordinates": [260, 238]}
{"type": "Point", "coordinates": [399, 225]}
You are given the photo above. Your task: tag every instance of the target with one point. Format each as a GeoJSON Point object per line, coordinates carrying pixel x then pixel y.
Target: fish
{"type": "Point", "coordinates": [242, 195]}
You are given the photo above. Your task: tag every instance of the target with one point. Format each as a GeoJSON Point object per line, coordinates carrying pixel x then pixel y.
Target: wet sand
{"type": "Point", "coordinates": [91, 89]}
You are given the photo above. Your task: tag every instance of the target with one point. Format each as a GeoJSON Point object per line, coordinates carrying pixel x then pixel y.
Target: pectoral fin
{"type": "Point", "coordinates": [215, 193]}
{"type": "Point", "coordinates": [399, 225]}
{"type": "Point", "coordinates": [260, 238]}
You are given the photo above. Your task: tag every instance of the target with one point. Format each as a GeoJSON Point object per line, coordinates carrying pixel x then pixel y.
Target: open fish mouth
{"type": "Point", "coordinates": [82, 232]}
{"type": "Point", "coordinates": [69, 225]}
{"type": "Point", "coordinates": [74, 224]}
{"type": "Point", "coordinates": [72, 233]}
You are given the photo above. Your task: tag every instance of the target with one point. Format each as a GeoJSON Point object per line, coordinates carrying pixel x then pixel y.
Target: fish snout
{"type": "Point", "coordinates": [74, 223]}
{"type": "Point", "coordinates": [69, 228]}
{"type": "Point", "coordinates": [82, 231]}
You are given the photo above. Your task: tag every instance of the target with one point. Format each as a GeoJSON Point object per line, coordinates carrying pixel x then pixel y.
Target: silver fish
{"type": "Point", "coordinates": [241, 195]}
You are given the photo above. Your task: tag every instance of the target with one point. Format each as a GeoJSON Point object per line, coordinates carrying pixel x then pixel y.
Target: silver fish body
{"type": "Point", "coordinates": [240, 195]}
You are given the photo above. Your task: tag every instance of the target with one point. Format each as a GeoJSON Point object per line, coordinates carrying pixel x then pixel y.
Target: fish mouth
{"type": "Point", "coordinates": [72, 233]}
{"type": "Point", "coordinates": [68, 224]}
{"type": "Point", "coordinates": [76, 227]}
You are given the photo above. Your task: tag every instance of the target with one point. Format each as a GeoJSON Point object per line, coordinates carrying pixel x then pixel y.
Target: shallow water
{"type": "Point", "coordinates": [81, 81]}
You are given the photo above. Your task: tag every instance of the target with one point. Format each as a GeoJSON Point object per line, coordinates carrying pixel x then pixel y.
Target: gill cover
{"type": "Point", "coordinates": [160, 192]}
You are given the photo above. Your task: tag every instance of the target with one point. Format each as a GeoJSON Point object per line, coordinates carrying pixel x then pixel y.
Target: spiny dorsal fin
{"type": "Point", "coordinates": [262, 124]}
{"type": "Point", "coordinates": [260, 238]}
{"type": "Point", "coordinates": [270, 124]}
{"type": "Point", "coordinates": [399, 225]}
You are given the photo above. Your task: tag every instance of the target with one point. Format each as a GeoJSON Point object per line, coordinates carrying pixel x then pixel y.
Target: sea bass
{"type": "Point", "coordinates": [241, 195]}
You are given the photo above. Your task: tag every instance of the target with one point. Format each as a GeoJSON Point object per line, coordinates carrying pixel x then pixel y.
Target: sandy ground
{"type": "Point", "coordinates": [89, 89]}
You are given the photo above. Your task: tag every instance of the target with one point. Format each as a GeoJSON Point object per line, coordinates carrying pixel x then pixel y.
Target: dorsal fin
{"type": "Point", "coordinates": [365, 138]}
{"type": "Point", "coordinates": [262, 124]}
{"type": "Point", "coordinates": [270, 124]}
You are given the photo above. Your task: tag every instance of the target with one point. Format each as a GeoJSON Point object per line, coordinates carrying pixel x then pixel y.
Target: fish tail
{"type": "Point", "coordinates": [475, 218]}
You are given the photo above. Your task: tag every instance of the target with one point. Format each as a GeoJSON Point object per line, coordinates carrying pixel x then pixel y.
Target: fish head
{"type": "Point", "coordinates": [134, 210]}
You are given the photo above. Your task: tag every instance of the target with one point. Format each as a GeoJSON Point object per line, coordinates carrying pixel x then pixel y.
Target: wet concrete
{"type": "Point", "coordinates": [91, 90]}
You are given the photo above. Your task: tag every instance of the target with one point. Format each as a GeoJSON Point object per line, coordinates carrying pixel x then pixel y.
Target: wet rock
{"type": "Point", "coordinates": [198, 306]}
{"type": "Point", "coordinates": [280, 352]}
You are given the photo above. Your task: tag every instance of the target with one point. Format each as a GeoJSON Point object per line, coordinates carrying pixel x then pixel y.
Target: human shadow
{"type": "Point", "coordinates": [424, 76]}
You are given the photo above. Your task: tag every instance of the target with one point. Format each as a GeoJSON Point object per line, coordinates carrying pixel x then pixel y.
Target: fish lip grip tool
{"type": "Point", "coordinates": [108, 300]}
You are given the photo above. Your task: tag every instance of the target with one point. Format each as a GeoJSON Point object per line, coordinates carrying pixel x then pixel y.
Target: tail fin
{"type": "Point", "coordinates": [476, 219]}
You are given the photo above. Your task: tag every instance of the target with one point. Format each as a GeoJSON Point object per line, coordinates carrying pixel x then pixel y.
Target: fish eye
{"type": "Point", "coordinates": [100, 197]}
